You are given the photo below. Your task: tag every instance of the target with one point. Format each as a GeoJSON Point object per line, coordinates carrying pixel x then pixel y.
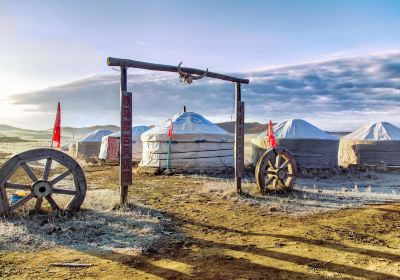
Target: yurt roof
{"type": "Point", "coordinates": [376, 131]}
{"type": "Point", "coordinates": [300, 129]}
{"type": "Point", "coordinates": [190, 124]}
{"type": "Point", "coordinates": [65, 146]}
{"type": "Point", "coordinates": [187, 123]}
{"type": "Point", "coordinates": [96, 135]}
{"type": "Point", "coordinates": [136, 131]}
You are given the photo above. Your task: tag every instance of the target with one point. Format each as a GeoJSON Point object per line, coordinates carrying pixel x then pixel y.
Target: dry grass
{"type": "Point", "coordinates": [302, 200]}
{"type": "Point", "coordinates": [99, 226]}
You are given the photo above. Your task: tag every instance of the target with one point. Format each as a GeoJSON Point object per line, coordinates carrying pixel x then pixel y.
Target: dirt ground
{"type": "Point", "coordinates": [209, 232]}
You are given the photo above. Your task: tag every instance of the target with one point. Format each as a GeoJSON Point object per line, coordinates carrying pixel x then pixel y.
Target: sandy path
{"type": "Point", "coordinates": [230, 237]}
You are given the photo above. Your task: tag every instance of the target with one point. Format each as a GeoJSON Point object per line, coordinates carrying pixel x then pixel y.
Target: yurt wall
{"type": "Point", "coordinates": [72, 149]}
{"type": "Point", "coordinates": [196, 144]}
{"type": "Point", "coordinates": [87, 149]}
{"type": "Point", "coordinates": [109, 149]}
{"type": "Point", "coordinates": [371, 144]}
{"type": "Point", "coordinates": [89, 146]}
{"type": "Point", "coordinates": [369, 152]}
{"type": "Point", "coordinates": [188, 154]}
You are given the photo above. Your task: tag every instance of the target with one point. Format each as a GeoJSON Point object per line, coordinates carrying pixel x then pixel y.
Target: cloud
{"type": "Point", "coordinates": [338, 94]}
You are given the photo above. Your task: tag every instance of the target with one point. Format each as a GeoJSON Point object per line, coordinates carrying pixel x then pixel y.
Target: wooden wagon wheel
{"type": "Point", "coordinates": [43, 187]}
{"type": "Point", "coordinates": [275, 170]}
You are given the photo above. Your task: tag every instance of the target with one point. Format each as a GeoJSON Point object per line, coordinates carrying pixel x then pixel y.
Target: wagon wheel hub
{"type": "Point", "coordinates": [42, 188]}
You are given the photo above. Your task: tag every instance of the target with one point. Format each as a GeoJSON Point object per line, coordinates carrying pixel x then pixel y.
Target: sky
{"type": "Point", "coordinates": [306, 59]}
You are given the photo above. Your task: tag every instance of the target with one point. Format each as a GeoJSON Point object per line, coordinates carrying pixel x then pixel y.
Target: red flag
{"type": "Point", "coordinates": [270, 134]}
{"type": "Point", "coordinates": [170, 129]}
{"type": "Point", "coordinates": [57, 127]}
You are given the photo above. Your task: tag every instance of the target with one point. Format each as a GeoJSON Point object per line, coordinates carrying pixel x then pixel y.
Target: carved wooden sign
{"type": "Point", "coordinates": [126, 139]}
{"type": "Point", "coordinates": [239, 140]}
{"type": "Point", "coordinates": [113, 149]}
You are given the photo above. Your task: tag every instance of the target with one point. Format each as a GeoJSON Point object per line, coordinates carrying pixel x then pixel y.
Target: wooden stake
{"type": "Point", "coordinates": [239, 138]}
{"type": "Point", "coordinates": [126, 138]}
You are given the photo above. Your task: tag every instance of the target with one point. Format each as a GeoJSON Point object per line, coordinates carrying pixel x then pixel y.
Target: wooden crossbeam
{"type": "Point", "coordinates": [111, 61]}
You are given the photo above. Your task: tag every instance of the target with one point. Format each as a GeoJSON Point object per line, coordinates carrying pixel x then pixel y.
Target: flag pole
{"type": "Point", "coordinates": [52, 135]}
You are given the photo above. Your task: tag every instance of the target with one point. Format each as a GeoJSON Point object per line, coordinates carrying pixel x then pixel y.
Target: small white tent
{"type": "Point", "coordinates": [371, 144]}
{"type": "Point", "coordinates": [310, 146]}
{"type": "Point", "coordinates": [378, 131]}
{"type": "Point", "coordinates": [197, 144]}
{"type": "Point", "coordinates": [89, 146]}
{"type": "Point", "coordinates": [300, 129]}
{"type": "Point", "coordinates": [109, 149]}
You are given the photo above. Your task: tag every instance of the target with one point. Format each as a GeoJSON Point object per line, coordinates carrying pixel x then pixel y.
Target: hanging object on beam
{"type": "Point", "coordinates": [188, 78]}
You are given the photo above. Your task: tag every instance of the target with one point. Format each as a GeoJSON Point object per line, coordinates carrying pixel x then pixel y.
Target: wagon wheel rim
{"type": "Point", "coordinates": [276, 171]}
{"type": "Point", "coordinates": [44, 187]}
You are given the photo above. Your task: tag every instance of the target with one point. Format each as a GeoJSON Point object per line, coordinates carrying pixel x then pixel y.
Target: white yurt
{"type": "Point", "coordinates": [310, 146]}
{"type": "Point", "coordinates": [109, 149]}
{"type": "Point", "coordinates": [372, 144]}
{"type": "Point", "coordinates": [65, 147]}
{"type": "Point", "coordinates": [197, 144]}
{"type": "Point", "coordinates": [89, 146]}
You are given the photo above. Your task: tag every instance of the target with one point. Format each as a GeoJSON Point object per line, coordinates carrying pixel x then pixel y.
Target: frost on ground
{"type": "Point", "coordinates": [96, 227]}
{"type": "Point", "coordinates": [310, 195]}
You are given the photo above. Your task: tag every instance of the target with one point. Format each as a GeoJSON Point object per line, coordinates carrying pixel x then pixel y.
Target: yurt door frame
{"type": "Point", "coordinates": [126, 117]}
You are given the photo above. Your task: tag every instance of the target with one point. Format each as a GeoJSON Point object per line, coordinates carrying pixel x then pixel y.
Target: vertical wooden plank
{"type": "Point", "coordinates": [4, 207]}
{"type": "Point", "coordinates": [125, 139]}
{"type": "Point", "coordinates": [126, 145]}
{"type": "Point", "coordinates": [239, 138]}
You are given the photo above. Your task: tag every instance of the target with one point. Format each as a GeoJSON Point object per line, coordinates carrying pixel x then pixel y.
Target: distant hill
{"type": "Point", "coordinates": [6, 139]}
{"type": "Point", "coordinates": [66, 132]}
{"type": "Point", "coordinates": [88, 129]}
{"type": "Point", "coordinates": [4, 127]}
{"type": "Point", "coordinates": [16, 134]}
{"type": "Point", "coordinates": [249, 128]}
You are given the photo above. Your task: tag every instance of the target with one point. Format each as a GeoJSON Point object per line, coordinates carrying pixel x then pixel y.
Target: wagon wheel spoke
{"type": "Point", "coordinates": [269, 172]}
{"type": "Point", "coordinates": [47, 169]}
{"type": "Point", "coordinates": [62, 191]}
{"type": "Point", "coordinates": [269, 181]}
{"type": "Point", "coordinates": [17, 186]}
{"type": "Point", "coordinates": [52, 202]}
{"type": "Point", "coordinates": [271, 165]}
{"type": "Point", "coordinates": [286, 163]}
{"type": "Point", "coordinates": [38, 203]}
{"type": "Point", "coordinates": [29, 171]}
{"type": "Point", "coordinates": [277, 160]}
{"type": "Point", "coordinates": [281, 181]}
{"type": "Point", "coordinates": [275, 183]}
{"type": "Point", "coordinates": [60, 177]}
{"type": "Point", "coordinates": [22, 201]}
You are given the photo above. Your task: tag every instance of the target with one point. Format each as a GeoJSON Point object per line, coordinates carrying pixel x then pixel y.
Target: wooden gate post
{"type": "Point", "coordinates": [125, 152]}
{"type": "Point", "coordinates": [239, 138]}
